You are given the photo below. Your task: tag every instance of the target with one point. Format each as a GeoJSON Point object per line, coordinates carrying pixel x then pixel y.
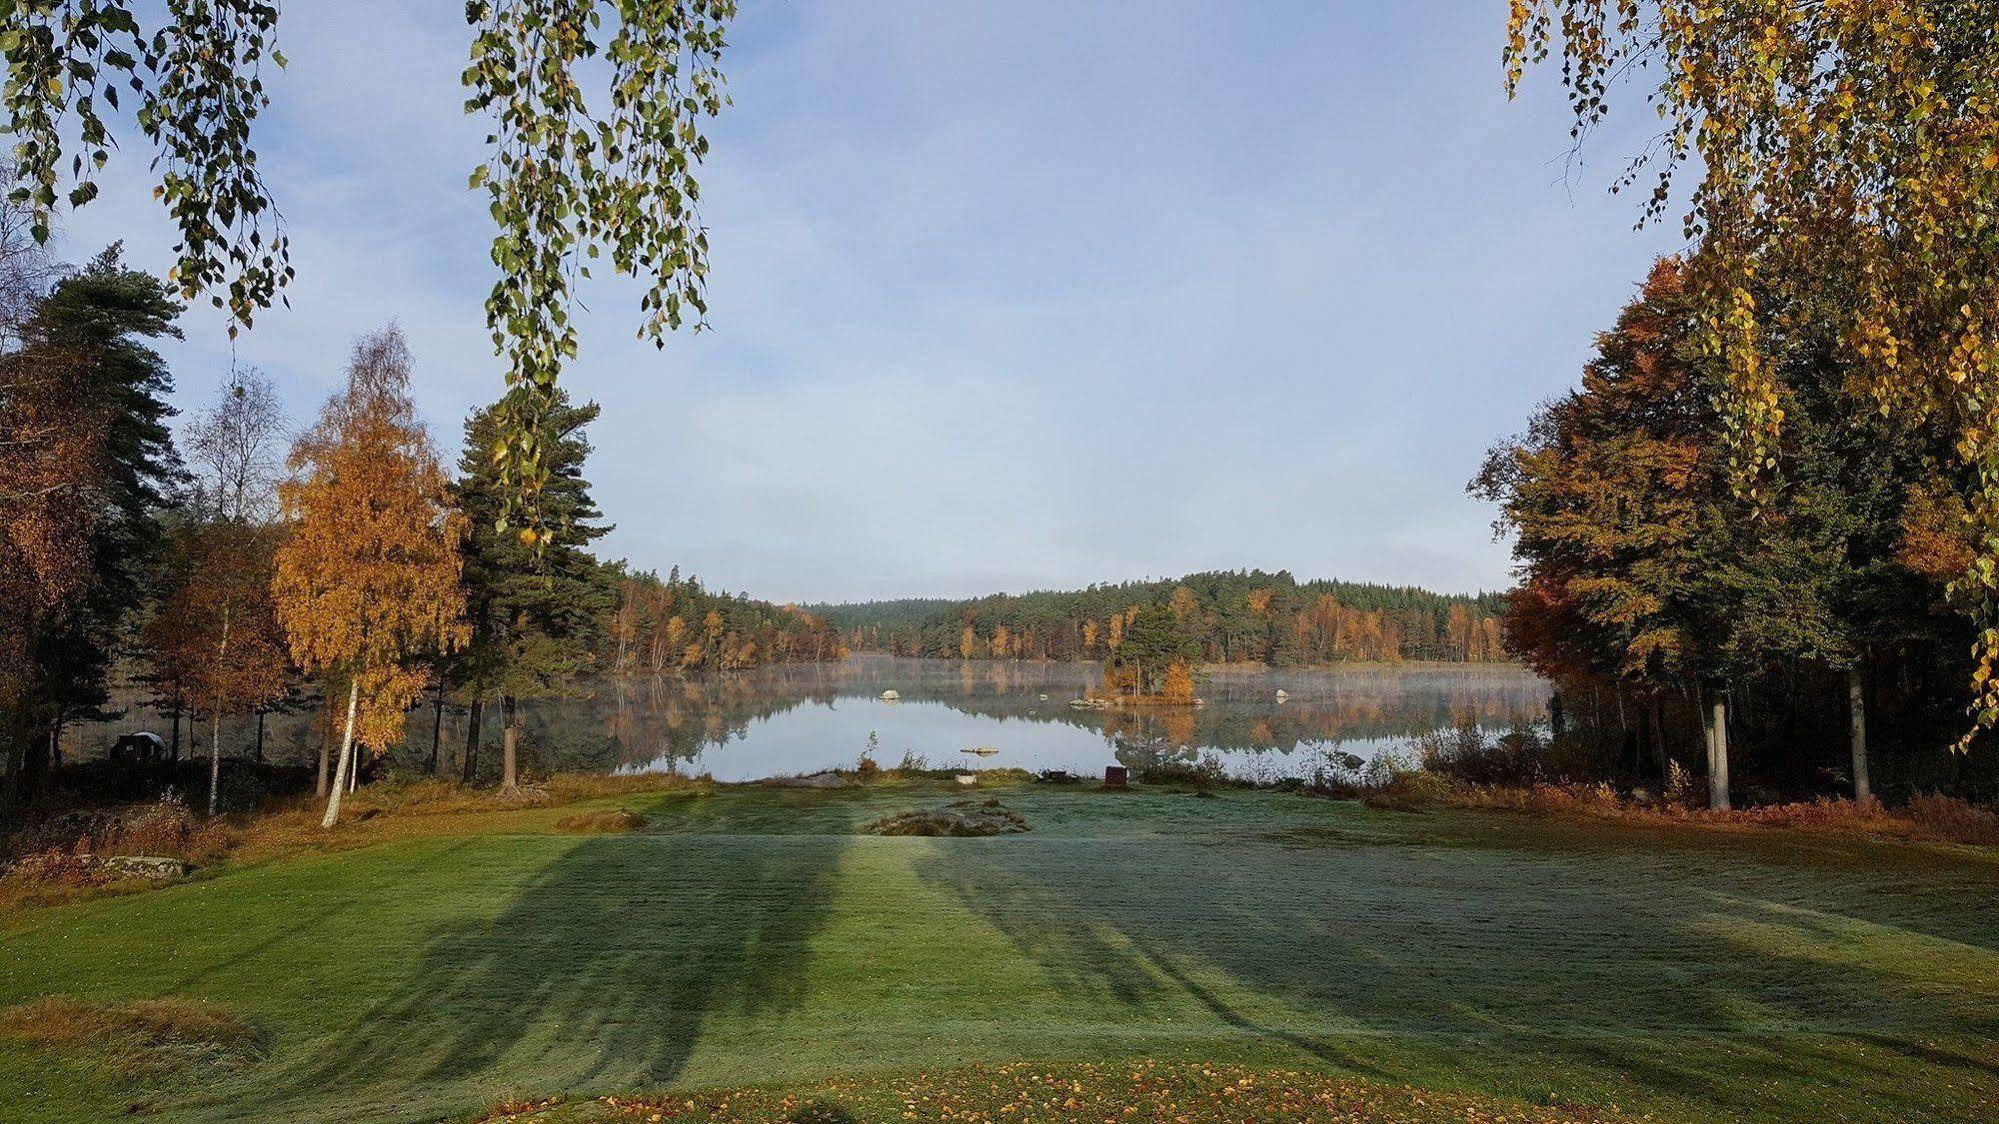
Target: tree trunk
{"type": "Point", "coordinates": [509, 778]}
{"type": "Point", "coordinates": [346, 757]}
{"type": "Point", "coordinates": [175, 756]}
{"type": "Point", "coordinates": [1856, 698]}
{"type": "Point", "coordinates": [17, 759]}
{"type": "Point", "coordinates": [470, 770]}
{"type": "Point", "coordinates": [260, 735]}
{"type": "Point", "coordinates": [1717, 755]}
{"type": "Point", "coordinates": [214, 761]}
{"type": "Point", "coordinates": [1659, 737]}
{"type": "Point", "coordinates": [325, 752]}
{"type": "Point", "coordinates": [34, 741]}
{"type": "Point", "coordinates": [215, 721]}
{"type": "Point", "coordinates": [437, 724]}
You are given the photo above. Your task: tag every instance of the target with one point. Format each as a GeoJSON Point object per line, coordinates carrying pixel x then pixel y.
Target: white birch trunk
{"type": "Point", "coordinates": [215, 723]}
{"type": "Point", "coordinates": [1717, 755]}
{"type": "Point", "coordinates": [346, 758]}
{"type": "Point", "coordinates": [214, 760]}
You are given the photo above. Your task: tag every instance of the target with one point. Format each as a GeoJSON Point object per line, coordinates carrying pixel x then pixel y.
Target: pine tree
{"type": "Point", "coordinates": [537, 616]}
{"type": "Point", "coordinates": [85, 461]}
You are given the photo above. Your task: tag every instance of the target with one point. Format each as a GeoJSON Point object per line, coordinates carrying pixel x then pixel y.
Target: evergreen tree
{"type": "Point", "coordinates": [1153, 646]}
{"type": "Point", "coordinates": [85, 461]}
{"type": "Point", "coordinates": [537, 615]}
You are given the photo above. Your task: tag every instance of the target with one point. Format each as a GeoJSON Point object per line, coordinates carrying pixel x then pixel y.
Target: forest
{"type": "Point", "coordinates": [244, 568]}
{"type": "Point", "coordinates": [1808, 638]}
{"type": "Point", "coordinates": [1222, 616]}
{"type": "Point", "coordinates": [664, 625]}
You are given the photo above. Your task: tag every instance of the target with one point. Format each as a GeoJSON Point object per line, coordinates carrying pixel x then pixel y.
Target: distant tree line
{"type": "Point", "coordinates": [1223, 616]}
{"type": "Point", "coordinates": [674, 624]}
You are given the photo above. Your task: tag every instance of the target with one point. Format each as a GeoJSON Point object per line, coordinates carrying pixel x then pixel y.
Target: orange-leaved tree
{"type": "Point", "coordinates": [216, 634]}
{"type": "Point", "coordinates": [367, 584]}
{"type": "Point", "coordinates": [1844, 153]}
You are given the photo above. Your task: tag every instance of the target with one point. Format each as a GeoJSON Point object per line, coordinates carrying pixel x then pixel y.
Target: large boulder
{"type": "Point", "coordinates": [160, 868]}
{"type": "Point", "coordinates": [74, 869]}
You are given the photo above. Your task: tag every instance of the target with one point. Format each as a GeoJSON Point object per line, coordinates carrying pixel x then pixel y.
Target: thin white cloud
{"type": "Point", "coordinates": [1180, 287]}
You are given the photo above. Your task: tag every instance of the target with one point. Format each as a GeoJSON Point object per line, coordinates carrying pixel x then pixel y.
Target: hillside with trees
{"type": "Point", "coordinates": [1221, 616]}
{"type": "Point", "coordinates": [675, 624]}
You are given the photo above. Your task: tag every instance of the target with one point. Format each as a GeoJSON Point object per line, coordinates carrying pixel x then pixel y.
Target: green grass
{"type": "Point", "coordinates": [752, 937]}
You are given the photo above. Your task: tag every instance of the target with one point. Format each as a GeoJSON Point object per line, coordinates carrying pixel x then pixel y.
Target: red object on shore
{"type": "Point", "coordinates": [1114, 776]}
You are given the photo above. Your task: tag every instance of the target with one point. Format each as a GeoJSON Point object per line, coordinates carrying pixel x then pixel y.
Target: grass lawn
{"type": "Point", "coordinates": [752, 937]}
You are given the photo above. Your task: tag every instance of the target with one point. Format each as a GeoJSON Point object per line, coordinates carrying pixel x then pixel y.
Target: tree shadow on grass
{"type": "Point", "coordinates": [604, 969]}
{"type": "Point", "coordinates": [298, 924]}
{"type": "Point", "coordinates": [1473, 962]}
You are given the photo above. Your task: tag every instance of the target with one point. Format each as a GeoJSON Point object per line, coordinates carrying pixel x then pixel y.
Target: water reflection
{"type": "Point", "coordinates": [804, 718]}
{"type": "Point", "coordinates": [809, 717]}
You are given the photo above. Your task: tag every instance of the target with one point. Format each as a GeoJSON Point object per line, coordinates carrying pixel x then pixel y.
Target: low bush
{"type": "Point", "coordinates": [431, 796]}
{"type": "Point", "coordinates": [1464, 754]}
{"type": "Point", "coordinates": [164, 827]}
{"type": "Point", "coordinates": [1408, 790]}
{"type": "Point", "coordinates": [137, 1036]}
{"type": "Point", "coordinates": [607, 821]}
{"type": "Point", "coordinates": [568, 788]}
{"type": "Point", "coordinates": [246, 785]}
{"type": "Point", "coordinates": [1205, 773]}
{"type": "Point", "coordinates": [1931, 819]}
{"type": "Point", "coordinates": [963, 819]}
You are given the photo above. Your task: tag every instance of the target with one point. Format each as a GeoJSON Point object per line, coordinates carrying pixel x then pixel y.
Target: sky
{"type": "Point", "coordinates": [1005, 296]}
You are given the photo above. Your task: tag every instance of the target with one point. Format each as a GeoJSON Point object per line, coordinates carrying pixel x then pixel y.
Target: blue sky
{"type": "Point", "coordinates": [1006, 296]}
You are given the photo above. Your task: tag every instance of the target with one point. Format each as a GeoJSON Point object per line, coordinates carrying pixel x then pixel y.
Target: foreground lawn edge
{"type": "Point", "coordinates": [1138, 1091]}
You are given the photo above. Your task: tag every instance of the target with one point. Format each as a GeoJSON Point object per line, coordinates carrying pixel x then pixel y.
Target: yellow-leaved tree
{"type": "Point", "coordinates": [367, 584]}
{"type": "Point", "coordinates": [1846, 157]}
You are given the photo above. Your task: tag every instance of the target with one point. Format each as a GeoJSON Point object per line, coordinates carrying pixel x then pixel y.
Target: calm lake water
{"type": "Point", "coordinates": [805, 718]}
{"type": "Point", "coordinates": [802, 719]}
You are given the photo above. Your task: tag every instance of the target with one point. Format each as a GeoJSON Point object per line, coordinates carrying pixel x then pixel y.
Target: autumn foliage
{"type": "Point", "coordinates": [1228, 616]}
{"type": "Point", "coordinates": [367, 583]}
{"type": "Point", "coordinates": [675, 624]}
{"type": "Point", "coordinates": [217, 629]}
{"type": "Point", "coordinates": [1846, 158]}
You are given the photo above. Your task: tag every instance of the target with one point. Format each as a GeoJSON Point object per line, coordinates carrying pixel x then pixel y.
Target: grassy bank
{"type": "Point", "coordinates": [752, 937]}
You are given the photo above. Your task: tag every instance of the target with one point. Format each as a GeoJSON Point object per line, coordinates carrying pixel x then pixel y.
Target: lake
{"type": "Point", "coordinates": [803, 718]}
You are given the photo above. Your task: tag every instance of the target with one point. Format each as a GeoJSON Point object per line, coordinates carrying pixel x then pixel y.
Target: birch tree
{"type": "Point", "coordinates": [216, 632]}
{"type": "Point", "coordinates": [367, 583]}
